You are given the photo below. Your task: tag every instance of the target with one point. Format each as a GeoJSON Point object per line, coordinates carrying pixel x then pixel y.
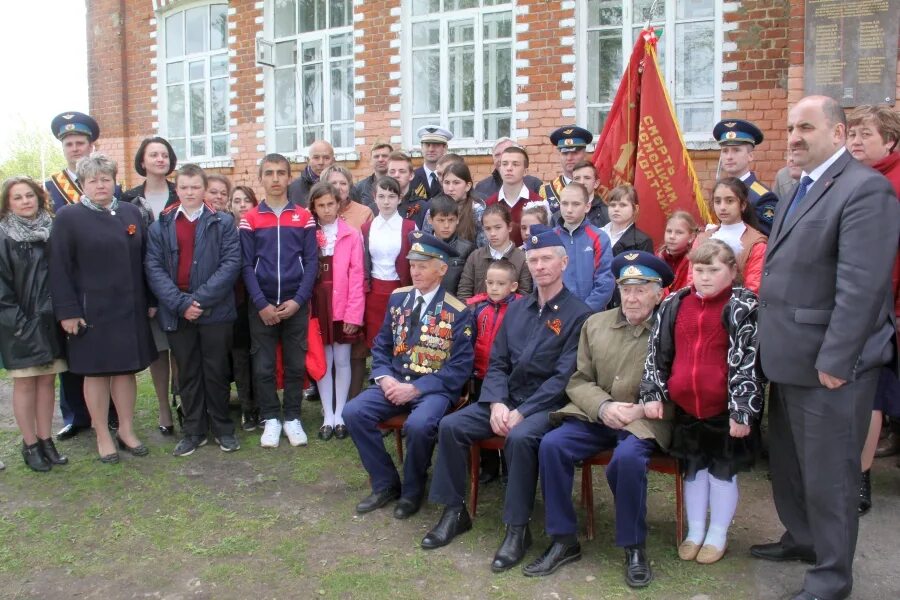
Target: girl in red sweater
{"type": "Point", "coordinates": [681, 229]}
{"type": "Point", "coordinates": [702, 358]}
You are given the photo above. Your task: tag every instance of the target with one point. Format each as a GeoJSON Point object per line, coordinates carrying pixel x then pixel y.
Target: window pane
{"type": "Point", "coordinates": [694, 60]}
{"type": "Point", "coordinates": [197, 70]}
{"type": "Point", "coordinates": [423, 121]}
{"type": "Point", "coordinates": [497, 25]}
{"type": "Point", "coordinates": [312, 133]}
{"type": "Point", "coordinates": [198, 109]}
{"type": "Point", "coordinates": [461, 31]}
{"type": "Point", "coordinates": [312, 52]}
{"type": "Point", "coordinates": [462, 78]}
{"type": "Point", "coordinates": [220, 145]}
{"type": "Point", "coordinates": [604, 64]}
{"type": "Point", "coordinates": [217, 26]}
{"type": "Point", "coordinates": [424, 7]}
{"type": "Point", "coordinates": [426, 34]}
{"type": "Point", "coordinates": [695, 118]}
{"type": "Point", "coordinates": [463, 127]}
{"type": "Point", "coordinates": [426, 71]}
{"type": "Point", "coordinates": [286, 140]}
{"type": "Point", "coordinates": [218, 105]}
{"type": "Point", "coordinates": [175, 35]}
{"type": "Point", "coordinates": [312, 15]}
{"type": "Point", "coordinates": [695, 9]}
{"type": "Point", "coordinates": [285, 53]}
{"type": "Point", "coordinates": [341, 13]}
{"type": "Point", "coordinates": [341, 90]}
{"type": "Point", "coordinates": [175, 111]}
{"type": "Point", "coordinates": [177, 145]}
{"type": "Point", "coordinates": [604, 12]}
{"type": "Point", "coordinates": [285, 17]}
{"type": "Point", "coordinates": [175, 72]}
{"type": "Point", "coordinates": [312, 94]}
{"type": "Point", "coordinates": [497, 76]}
{"type": "Point", "coordinates": [597, 118]}
{"type": "Point", "coordinates": [496, 125]}
{"type": "Point", "coordinates": [218, 65]}
{"type": "Point", "coordinates": [341, 46]}
{"type": "Point", "coordinates": [285, 98]}
{"type": "Point", "coordinates": [198, 146]}
{"type": "Point", "coordinates": [195, 24]}
{"type": "Point", "coordinates": [642, 11]}
{"type": "Point", "coordinates": [342, 136]}
{"type": "Point", "coordinates": [459, 4]}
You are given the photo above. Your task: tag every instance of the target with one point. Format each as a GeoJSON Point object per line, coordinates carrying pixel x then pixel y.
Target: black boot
{"type": "Point", "coordinates": [513, 548]}
{"type": "Point", "coordinates": [50, 452]}
{"type": "Point", "coordinates": [34, 458]}
{"type": "Point", "coordinates": [865, 493]}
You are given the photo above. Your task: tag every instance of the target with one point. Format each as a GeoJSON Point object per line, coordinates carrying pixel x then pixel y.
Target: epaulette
{"type": "Point", "coordinates": [402, 290]}
{"type": "Point", "coordinates": [758, 188]}
{"type": "Point", "coordinates": [453, 301]}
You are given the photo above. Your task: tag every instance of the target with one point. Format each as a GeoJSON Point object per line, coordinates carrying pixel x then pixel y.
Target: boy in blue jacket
{"type": "Point", "coordinates": [588, 275]}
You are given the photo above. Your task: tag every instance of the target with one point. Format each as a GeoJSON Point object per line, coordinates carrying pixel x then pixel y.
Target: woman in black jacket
{"type": "Point", "coordinates": [30, 341]}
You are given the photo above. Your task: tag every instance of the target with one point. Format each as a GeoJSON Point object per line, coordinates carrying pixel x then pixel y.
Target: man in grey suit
{"type": "Point", "coordinates": [825, 329]}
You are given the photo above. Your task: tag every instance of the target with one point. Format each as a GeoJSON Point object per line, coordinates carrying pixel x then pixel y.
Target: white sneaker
{"type": "Point", "coordinates": [294, 432]}
{"type": "Point", "coordinates": [271, 434]}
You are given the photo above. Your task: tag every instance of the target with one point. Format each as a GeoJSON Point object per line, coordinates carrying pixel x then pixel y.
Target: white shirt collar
{"type": "Point", "coordinates": [428, 173]}
{"type": "Point", "coordinates": [523, 195]}
{"type": "Point", "coordinates": [190, 216]}
{"type": "Point", "coordinates": [72, 175]}
{"type": "Point", "coordinates": [392, 221]}
{"type": "Point", "coordinates": [745, 176]}
{"type": "Point", "coordinates": [820, 170]}
{"type": "Point", "coordinates": [428, 298]}
{"type": "Point", "coordinates": [497, 255]}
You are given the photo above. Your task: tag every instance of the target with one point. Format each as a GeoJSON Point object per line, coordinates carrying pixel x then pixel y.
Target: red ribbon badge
{"type": "Point", "coordinates": [555, 326]}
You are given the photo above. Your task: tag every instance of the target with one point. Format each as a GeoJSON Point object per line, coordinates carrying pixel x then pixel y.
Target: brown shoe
{"type": "Point", "coordinates": [688, 550]}
{"type": "Point", "coordinates": [889, 445]}
{"type": "Point", "coordinates": [709, 554]}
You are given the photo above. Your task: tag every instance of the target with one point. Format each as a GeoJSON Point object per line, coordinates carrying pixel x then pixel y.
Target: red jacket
{"type": "Point", "coordinates": [889, 166]}
{"type": "Point", "coordinates": [488, 318]}
{"type": "Point", "coordinates": [680, 266]}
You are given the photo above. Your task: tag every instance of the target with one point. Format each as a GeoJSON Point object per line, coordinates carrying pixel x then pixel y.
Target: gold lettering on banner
{"type": "Point", "coordinates": [656, 163]}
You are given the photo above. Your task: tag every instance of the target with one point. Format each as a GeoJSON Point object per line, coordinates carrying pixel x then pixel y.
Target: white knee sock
{"type": "Point", "coordinates": [325, 388]}
{"type": "Point", "coordinates": [696, 500]}
{"type": "Point", "coordinates": [723, 500]}
{"type": "Point", "coordinates": [341, 380]}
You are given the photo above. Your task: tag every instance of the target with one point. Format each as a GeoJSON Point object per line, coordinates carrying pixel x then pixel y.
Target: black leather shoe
{"type": "Point", "coordinates": [454, 521]}
{"type": "Point", "coordinates": [778, 553]}
{"type": "Point", "coordinates": [326, 432]}
{"type": "Point", "coordinates": [34, 458]}
{"type": "Point", "coordinates": [49, 451]}
{"type": "Point", "coordinates": [70, 431]}
{"type": "Point", "coordinates": [167, 430]}
{"type": "Point", "coordinates": [139, 450]}
{"type": "Point", "coordinates": [804, 595]}
{"type": "Point", "coordinates": [865, 493]}
{"type": "Point", "coordinates": [512, 550]}
{"type": "Point", "coordinates": [555, 556]}
{"type": "Point", "coordinates": [377, 500]}
{"type": "Point", "coordinates": [110, 459]}
{"type": "Point", "coordinates": [340, 432]}
{"type": "Point", "coordinates": [407, 507]}
{"type": "Point", "coordinates": [637, 568]}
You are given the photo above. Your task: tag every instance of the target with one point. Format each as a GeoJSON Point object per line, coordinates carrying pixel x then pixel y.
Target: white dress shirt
{"type": "Point", "coordinates": [523, 195]}
{"type": "Point", "coordinates": [820, 170]}
{"type": "Point", "coordinates": [385, 239]}
{"type": "Point", "coordinates": [189, 216]}
{"type": "Point", "coordinates": [330, 232]}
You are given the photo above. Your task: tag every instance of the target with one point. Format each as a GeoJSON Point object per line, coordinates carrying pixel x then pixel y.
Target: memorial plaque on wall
{"type": "Point", "coordinates": [850, 50]}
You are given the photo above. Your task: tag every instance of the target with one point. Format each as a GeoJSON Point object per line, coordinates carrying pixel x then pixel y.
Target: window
{"type": "Point", "coordinates": [459, 67]}
{"type": "Point", "coordinates": [313, 75]}
{"type": "Point", "coordinates": [194, 75]}
{"type": "Point", "coordinates": [689, 52]}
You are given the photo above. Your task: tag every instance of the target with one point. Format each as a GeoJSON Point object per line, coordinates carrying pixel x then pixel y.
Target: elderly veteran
{"type": "Point", "coordinates": [421, 358]}
{"type": "Point", "coordinates": [532, 359]}
{"type": "Point", "coordinates": [604, 413]}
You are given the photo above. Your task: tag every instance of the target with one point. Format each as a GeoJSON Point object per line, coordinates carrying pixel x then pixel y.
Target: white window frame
{"type": "Point", "coordinates": [208, 159]}
{"type": "Point", "coordinates": [301, 154]}
{"type": "Point", "coordinates": [466, 146]}
{"type": "Point", "coordinates": [693, 140]}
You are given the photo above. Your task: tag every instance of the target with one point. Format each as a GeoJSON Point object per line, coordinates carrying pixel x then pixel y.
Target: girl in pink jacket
{"type": "Point", "coordinates": [338, 302]}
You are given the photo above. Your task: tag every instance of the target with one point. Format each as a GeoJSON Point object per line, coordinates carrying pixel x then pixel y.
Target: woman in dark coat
{"type": "Point", "coordinates": [99, 296]}
{"type": "Point", "coordinates": [30, 340]}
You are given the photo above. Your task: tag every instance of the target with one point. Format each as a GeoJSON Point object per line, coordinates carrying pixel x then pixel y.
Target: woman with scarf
{"type": "Point", "coordinates": [30, 344]}
{"type": "Point", "coordinates": [99, 296]}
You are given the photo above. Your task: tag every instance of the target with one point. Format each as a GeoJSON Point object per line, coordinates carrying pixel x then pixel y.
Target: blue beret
{"type": "Point", "coordinates": [571, 138]}
{"type": "Point", "coordinates": [640, 267]}
{"type": "Point", "coordinates": [542, 236]}
{"type": "Point", "coordinates": [424, 246]}
{"type": "Point", "coordinates": [74, 122]}
{"type": "Point", "coordinates": [729, 132]}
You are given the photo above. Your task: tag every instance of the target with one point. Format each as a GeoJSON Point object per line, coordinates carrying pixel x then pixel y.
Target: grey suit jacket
{"type": "Point", "coordinates": [825, 297]}
{"type": "Point", "coordinates": [784, 185]}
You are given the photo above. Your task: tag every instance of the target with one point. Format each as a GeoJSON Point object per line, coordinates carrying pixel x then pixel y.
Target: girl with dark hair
{"type": "Point", "coordinates": [738, 227]}
{"type": "Point", "coordinates": [457, 183]}
{"type": "Point", "coordinates": [623, 233]}
{"type": "Point", "coordinates": [497, 222]}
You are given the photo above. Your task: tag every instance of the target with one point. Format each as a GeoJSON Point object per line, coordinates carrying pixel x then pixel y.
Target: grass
{"type": "Point", "coordinates": [280, 524]}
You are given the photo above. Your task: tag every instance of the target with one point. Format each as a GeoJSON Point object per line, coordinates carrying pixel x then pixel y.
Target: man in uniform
{"type": "Point", "coordinates": [421, 358]}
{"type": "Point", "coordinates": [737, 139]}
{"type": "Point", "coordinates": [434, 139]}
{"type": "Point", "coordinates": [570, 142]}
{"type": "Point", "coordinates": [532, 358]}
{"type": "Point", "coordinates": [77, 133]}
{"type": "Point", "coordinates": [321, 156]}
{"type": "Point", "coordinates": [605, 413]}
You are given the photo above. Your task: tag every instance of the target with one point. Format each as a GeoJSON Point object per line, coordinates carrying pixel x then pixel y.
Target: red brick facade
{"type": "Point", "coordinates": [762, 73]}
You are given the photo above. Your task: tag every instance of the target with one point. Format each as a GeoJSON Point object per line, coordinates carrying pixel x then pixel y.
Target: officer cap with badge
{"type": "Point", "coordinates": [635, 268]}
{"type": "Point", "coordinates": [571, 138]}
{"type": "Point", "coordinates": [424, 246]}
{"type": "Point", "coordinates": [434, 134]}
{"type": "Point", "coordinates": [542, 236]}
{"type": "Point", "coordinates": [729, 132]}
{"type": "Point", "coordinates": [73, 122]}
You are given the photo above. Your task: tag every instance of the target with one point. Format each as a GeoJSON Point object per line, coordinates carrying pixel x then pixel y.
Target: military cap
{"type": "Point", "coordinates": [571, 138]}
{"type": "Point", "coordinates": [434, 134]}
{"type": "Point", "coordinates": [641, 267]}
{"type": "Point", "coordinates": [729, 132]}
{"type": "Point", "coordinates": [542, 236]}
{"type": "Point", "coordinates": [424, 246]}
{"type": "Point", "coordinates": [74, 122]}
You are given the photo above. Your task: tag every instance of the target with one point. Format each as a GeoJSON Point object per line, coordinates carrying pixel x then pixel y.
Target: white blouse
{"type": "Point", "coordinates": [330, 232]}
{"type": "Point", "coordinates": [385, 239]}
{"type": "Point", "coordinates": [731, 235]}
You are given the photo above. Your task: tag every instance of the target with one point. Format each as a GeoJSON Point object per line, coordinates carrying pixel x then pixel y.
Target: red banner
{"type": "Point", "coordinates": [641, 144]}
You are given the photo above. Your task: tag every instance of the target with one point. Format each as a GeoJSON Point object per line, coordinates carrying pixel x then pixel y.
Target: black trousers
{"type": "Point", "coordinates": [263, 342]}
{"type": "Point", "coordinates": [816, 439]}
{"type": "Point", "coordinates": [202, 353]}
